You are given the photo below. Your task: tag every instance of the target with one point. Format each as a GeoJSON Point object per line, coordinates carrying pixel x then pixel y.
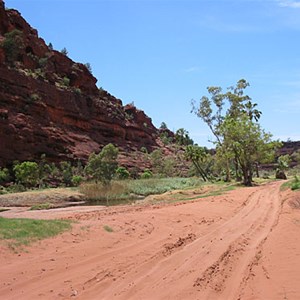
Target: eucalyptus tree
{"type": "Point", "coordinates": [233, 120]}
{"type": "Point", "coordinates": [102, 166]}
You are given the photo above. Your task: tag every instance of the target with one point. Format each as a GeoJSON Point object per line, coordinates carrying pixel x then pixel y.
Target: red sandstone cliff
{"type": "Point", "coordinates": [50, 104]}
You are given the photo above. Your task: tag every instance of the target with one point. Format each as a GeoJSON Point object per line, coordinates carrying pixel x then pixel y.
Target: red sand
{"type": "Point", "coordinates": [241, 245]}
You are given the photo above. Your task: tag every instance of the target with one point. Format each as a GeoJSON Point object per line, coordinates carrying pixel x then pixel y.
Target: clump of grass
{"type": "Point", "coordinates": [99, 192]}
{"type": "Point", "coordinates": [219, 191]}
{"type": "Point", "coordinates": [124, 191]}
{"type": "Point", "coordinates": [154, 186]}
{"type": "Point", "coordinates": [19, 232]}
{"type": "Point", "coordinates": [286, 185]}
{"type": "Point", "coordinates": [41, 206]}
{"type": "Point", "coordinates": [107, 228]}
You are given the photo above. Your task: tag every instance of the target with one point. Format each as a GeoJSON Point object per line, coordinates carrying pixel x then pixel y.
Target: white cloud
{"type": "Point", "coordinates": [289, 3]}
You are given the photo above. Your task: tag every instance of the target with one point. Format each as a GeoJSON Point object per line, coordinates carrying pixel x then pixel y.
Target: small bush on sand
{"type": "Point", "coordinates": [107, 228]}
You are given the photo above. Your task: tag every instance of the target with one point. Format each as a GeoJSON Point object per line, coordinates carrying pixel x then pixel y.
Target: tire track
{"type": "Point", "coordinates": [213, 266]}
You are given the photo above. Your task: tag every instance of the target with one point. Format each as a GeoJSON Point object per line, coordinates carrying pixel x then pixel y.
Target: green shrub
{"type": "Point", "coordinates": [147, 174]}
{"type": "Point", "coordinates": [12, 45]}
{"type": "Point", "coordinates": [144, 149]}
{"type": "Point", "coordinates": [41, 206]}
{"type": "Point", "coordinates": [4, 175]}
{"type": "Point", "coordinates": [77, 180]}
{"type": "Point", "coordinates": [16, 188]}
{"type": "Point", "coordinates": [27, 173]}
{"type": "Point", "coordinates": [122, 173]}
{"type": "Point", "coordinates": [66, 172]}
{"type": "Point", "coordinates": [107, 228]}
{"type": "Point", "coordinates": [89, 67]}
{"type": "Point", "coordinates": [77, 91]}
{"type": "Point", "coordinates": [43, 62]}
{"type": "Point", "coordinates": [102, 167]}
{"type": "Point", "coordinates": [64, 51]}
{"type": "Point", "coordinates": [34, 97]}
{"type": "Point", "coordinates": [66, 81]}
{"type": "Point", "coordinates": [295, 183]}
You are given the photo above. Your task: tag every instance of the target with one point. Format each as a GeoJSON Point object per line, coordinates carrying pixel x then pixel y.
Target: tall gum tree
{"type": "Point", "coordinates": [233, 119]}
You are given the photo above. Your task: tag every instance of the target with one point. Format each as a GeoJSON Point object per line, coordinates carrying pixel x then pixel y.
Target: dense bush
{"type": "Point", "coordinates": [27, 173]}
{"type": "Point", "coordinates": [296, 183]}
{"type": "Point", "coordinates": [147, 174]}
{"type": "Point", "coordinates": [12, 44]}
{"type": "Point", "coordinates": [77, 180]}
{"type": "Point", "coordinates": [4, 175]}
{"type": "Point", "coordinates": [102, 167]}
{"type": "Point", "coordinates": [122, 173]}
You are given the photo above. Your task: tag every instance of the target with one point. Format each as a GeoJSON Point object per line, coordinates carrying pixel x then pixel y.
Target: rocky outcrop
{"type": "Point", "coordinates": [51, 105]}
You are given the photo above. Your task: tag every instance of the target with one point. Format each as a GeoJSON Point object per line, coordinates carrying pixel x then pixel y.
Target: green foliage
{"type": "Point", "coordinates": [77, 91]}
{"type": "Point", "coordinates": [122, 173]}
{"type": "Point", "coordinates": [246, 141]}
{"type": "Point", "coordinates": [4, 175]}
{"type": "Point", "coordinates": [44, 171]}
{"type": "Point", "coordinates": [43, 62]}
{"type": "Point", "coordinates": [41, 206]}
{"type": "Point", "coordinates": [76, 180]}
{"type": "Point", "coordinates": [66, 81]}
{"type": "Point", "coordinates": [296, 156]}
{"type": "Point", "coordinates": [24, 231]}
{"type": "Point", "coordinates": [102, 166]}
{"type": "Point", "coordinates": [105, 194]}
{"type": "Point", "coordinates": [146, 174]}
{"type": "Point", "coordinates": [121, 192]}
{"type": "Point", "coordinates": [50, 46]}
{"type": "Point", "coordinates": [156, 160]}
{"type": "Point", "coordinates": [34, 97]}
{"type": "Point", "coordinates": [163, 126]}
{"type": "Point", "coordinates": [16, 188]}
{"type": "Point", "coordinates": [240, 140]}
{"type": "Point", "coordinates": [165, 138]}
{"type": "Point", "coordinates": [66, 172]}
{"type": "Point", "coordinates": [27, 173]}
{"type": "Point", "coordinates": [107, 228]}
{"type": "Point", "coordinates": [64, 51]}
{"type": "Point", "coordinates": [182, 137]}
{"type": "Point", "coordinates": [295, 184]}
{"type": "Point", "coordinates": [12, 45]}
{"type": "Point", "coordinates": [168, 167]}
{"type": "Point", "coordinates": [144, 149]}
{"type": "Point", "coordinates": [89, 67]}
{"type": "Point", "coordinates": [153, 186]}
{"type": "Point", "coordinates": [201, 159]}
{"type": "Point", "coordinates": [284, 162]}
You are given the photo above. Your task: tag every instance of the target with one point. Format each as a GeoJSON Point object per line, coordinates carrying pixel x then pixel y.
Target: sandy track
{"type": "Point", "coordinates": [206, 249]}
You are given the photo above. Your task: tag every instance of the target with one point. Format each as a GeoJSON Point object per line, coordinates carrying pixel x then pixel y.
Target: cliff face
{"type": "Point", "coordinates": [50, 104]}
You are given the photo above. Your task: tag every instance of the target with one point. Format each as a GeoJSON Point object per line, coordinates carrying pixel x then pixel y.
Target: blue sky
{"type": "Point", "coordinates": [160, 54]}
